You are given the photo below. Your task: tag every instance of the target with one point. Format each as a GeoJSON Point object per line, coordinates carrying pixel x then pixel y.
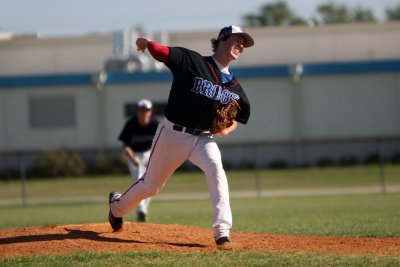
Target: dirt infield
{"type": "Point", "coordinates": [98, 237]}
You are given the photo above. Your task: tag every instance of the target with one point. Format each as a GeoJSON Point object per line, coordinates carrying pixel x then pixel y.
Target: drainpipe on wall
{"type": "Point", "coordinates": [296, 72]}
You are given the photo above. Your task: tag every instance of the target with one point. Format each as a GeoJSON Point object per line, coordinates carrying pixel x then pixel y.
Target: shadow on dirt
{"type": "Point", "coordinates": [80, 234]}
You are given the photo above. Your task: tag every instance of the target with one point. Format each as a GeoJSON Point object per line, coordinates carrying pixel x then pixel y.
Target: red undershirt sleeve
{"type": "Point", "coordinates": [158, 52]}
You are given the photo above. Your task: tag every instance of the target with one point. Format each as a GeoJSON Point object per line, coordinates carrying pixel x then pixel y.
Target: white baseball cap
{"type": "Point", "coordinates": [145, 104]}
{"type": "Point", "coordinates": [229, 30]}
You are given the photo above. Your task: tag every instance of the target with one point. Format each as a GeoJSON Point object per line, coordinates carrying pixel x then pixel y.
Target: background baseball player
{"type": "Point", "coordinates": [136, 136]}
{"type": "Point", "coordinates": [200, 87]}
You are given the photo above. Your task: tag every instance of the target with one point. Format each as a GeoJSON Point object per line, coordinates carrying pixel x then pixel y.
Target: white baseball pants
{"type": "Point", "coordinates": [169, 150]}
{"type": "Point", "coordinates": [136, 173]}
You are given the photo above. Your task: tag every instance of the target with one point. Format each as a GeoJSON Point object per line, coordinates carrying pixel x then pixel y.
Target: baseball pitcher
{"type": "Point", "coordinates": [205, 99]}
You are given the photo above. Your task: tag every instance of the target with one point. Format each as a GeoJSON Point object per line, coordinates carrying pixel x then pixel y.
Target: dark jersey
{"type": "Point", "coordinates": [197, 90]}
{"type": "Point", "coordinates": [136, 136]}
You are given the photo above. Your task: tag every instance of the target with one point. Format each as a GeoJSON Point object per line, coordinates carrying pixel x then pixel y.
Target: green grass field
{"type": "Point", "coordinates": [194, 182]}
{"type": "Point", "coordinates": [355, 215]}
{"type": "Point", "coordinates": [352, 215]}
{"type": "Point", "coordinates": [366, 215]}
{"type": "Point", "coordinates": [229, 259]}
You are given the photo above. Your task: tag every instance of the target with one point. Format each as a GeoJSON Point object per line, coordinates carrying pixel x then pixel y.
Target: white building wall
{"type": "Point", "coordinates": [350, 106]}
{"type": "Point", "coordinates": [3, 119]}
{"type": "Point", "coordinates": [316, 108]}
{"type": "Point", "coordinates": [27, 56]}
{"type": "Point", "coordinates": [287, 45]}
{"type": "Point", "coordinates": [19, 60]}
{"type": "Point", "coordinates": [17, 134]}
{"type": "Point", "coordinates": [271, 117]}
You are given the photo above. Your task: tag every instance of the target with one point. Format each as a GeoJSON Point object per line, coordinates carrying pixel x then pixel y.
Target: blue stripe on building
{"type": "Point", "coordinates": [309, 69]}
{"type": "Point", "coordinates": [351, 67]}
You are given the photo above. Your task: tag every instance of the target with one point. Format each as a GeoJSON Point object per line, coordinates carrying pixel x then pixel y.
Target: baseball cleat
{"type": "Point", "coordinates": [116, 223]}
{"type": "Point", "coordinates": [141, 216]}
{"type": "Point", "coordinates": [224, 243]}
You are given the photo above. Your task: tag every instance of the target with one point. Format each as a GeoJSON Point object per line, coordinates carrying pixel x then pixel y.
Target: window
{"type": "Point", "coordinates": [51, 112]}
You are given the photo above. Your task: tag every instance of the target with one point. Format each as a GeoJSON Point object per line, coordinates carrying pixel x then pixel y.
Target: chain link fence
{"type": "Point", "coordinates": [253, 169]}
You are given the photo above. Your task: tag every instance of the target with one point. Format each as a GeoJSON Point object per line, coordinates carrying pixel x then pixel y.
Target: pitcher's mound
{"type": "Point", "coordinates": [99, 237]}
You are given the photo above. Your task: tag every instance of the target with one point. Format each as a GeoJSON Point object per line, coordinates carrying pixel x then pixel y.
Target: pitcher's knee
{"type": "Point", "coordinates": [215, 170]}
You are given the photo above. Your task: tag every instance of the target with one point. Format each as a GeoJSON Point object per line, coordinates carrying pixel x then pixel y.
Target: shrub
{"type": "Point", "coordinates": [57, 162]}
{"type": "Point", "coordinates": [396, 158]}
{"type": "Point", "coordinates": [278, 164]}
{"type": "Point", "coordinates": [9, 174]}
{"type": "Point", "coordinates": [304, 165]}
{"type": "Point", "coordinates": [325, 162]}
{"type": "Point", "coordinates": [348, 160]}
{"type": "Point", "coordinates": [372, 159]}
{"type": "Point", "coordinates": [227, 165]}
{"type": "Point", "coordinates": [104, 165]}
{"type": "Point", "coordinates": [247, 165]}
{"type": "Point", "coordinates": [120, 164]}
{"type": "Point", "coordinates": [187, 166]}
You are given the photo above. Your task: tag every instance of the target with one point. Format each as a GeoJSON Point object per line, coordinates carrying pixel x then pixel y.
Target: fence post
{"type": "Point", "coordinates": [257, 171]}
{"type": "Point", "coordinates": [381, 166]}
{"type": "Point", "coordinates": [22, 168]}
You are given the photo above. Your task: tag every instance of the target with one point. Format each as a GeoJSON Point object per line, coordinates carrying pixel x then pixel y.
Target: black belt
{"type": "Point", "coordinates": [187, 130]}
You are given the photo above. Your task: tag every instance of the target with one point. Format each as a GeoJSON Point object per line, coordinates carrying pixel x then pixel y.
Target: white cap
{"type": "Point", "coordinates": [145, 104]}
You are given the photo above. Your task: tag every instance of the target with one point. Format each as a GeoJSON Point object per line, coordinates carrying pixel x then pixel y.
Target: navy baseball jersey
{"type": "Point", "coordinates": [136, 136]}
{"type": "Point", "coordinates": [197, 90]}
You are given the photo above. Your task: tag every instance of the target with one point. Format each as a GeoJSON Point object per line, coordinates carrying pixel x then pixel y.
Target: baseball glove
{"type": "Point", "coordinates": [224, 116]}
